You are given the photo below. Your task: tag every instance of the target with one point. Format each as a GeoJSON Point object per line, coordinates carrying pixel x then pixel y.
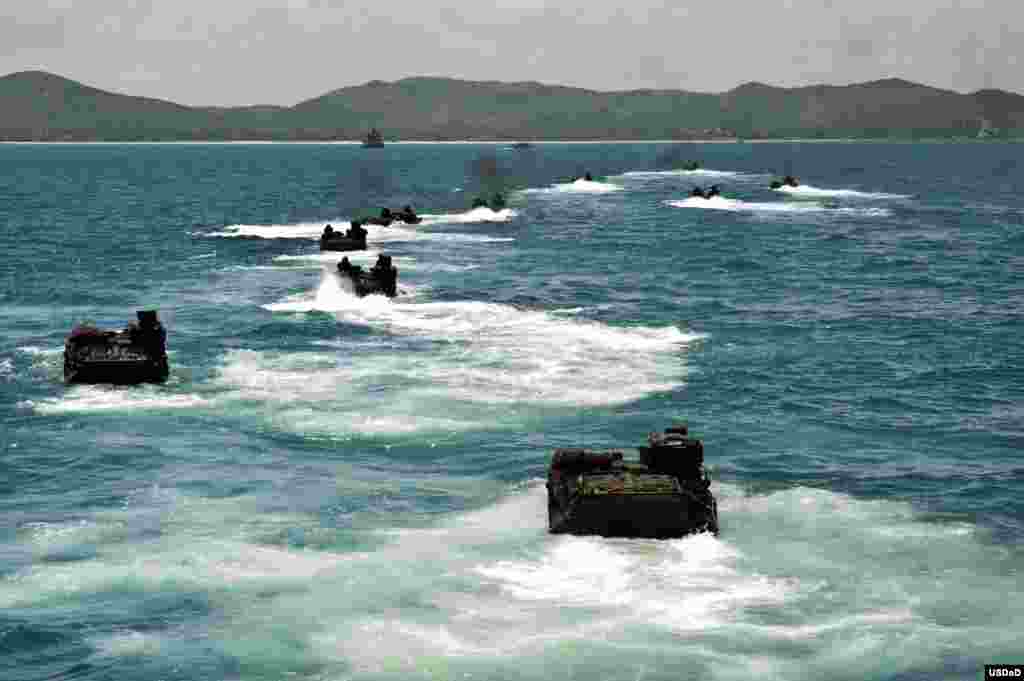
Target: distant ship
{"type": "Point", "coordinates": [522, 145]}
{"type": "Point", "coordinates": [986, 130]}
{"type": "Point", "coordinates": [373, 139]}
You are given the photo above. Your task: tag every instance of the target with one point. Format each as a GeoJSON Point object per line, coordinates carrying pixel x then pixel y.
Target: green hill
{"type": "Point", "coordinates": [36, 105]}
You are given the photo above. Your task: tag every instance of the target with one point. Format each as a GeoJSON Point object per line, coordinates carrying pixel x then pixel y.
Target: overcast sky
{"type": "Point", "coordinates": [231, 52]}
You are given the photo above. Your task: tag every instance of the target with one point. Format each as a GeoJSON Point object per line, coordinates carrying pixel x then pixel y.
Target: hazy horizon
{"type": "Point", "coordinates": [281, 52]}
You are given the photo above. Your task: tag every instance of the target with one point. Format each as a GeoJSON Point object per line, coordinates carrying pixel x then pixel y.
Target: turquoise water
{"type": "Point", "coordinates": [339, 488]}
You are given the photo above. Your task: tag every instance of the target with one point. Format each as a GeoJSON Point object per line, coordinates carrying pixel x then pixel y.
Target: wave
{"type": "Point", "coordinates": [313, 230]}
{"type": "Point", "coordinates": [499, 354]}
{"type": "Point", "coordinates": [36, 351]}
{"type": "Point", "coordinates": [835, 579]}
{"type": "Point", "coordinates": [98, 399]}
{"type": "Point", "coordinates": [737, 205]}
{"type": "Point", "coordinates": [378, 233]}
{"type": "Point", "coordinates": [365, 258]}
{"type": "Point", "coordinates": [581, 309]}
{"type": "Point", "coordinates": [302, 230]}
{"type": "Point", "coordinates": [475, 215]}
{"type": "Point", "coordinates": [199, 547]}
{"type": "Point", "coordinates": [705, 172]}
{"type": "Point", "coordinates": [806, 578]}
{"type": "Point", "coordinates": [393, 233]}
{"type": "Point", "coordinates": [449, 366]}
{"type": "Point", "coordinates": [815, 192]}
{"type": "Point", "coordinates": [577, 187]}
{"type": "Point", "coordinates": [102, 398]}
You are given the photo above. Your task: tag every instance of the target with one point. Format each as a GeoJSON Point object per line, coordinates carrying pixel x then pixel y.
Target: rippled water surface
{"type": "Point", "coordinates": [331, 487]}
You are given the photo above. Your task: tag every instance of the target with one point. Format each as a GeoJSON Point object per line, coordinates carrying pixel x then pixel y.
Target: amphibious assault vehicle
{"type": "Point", "coordinates": [387, 216]}
{"type": "Point", "coordinates": [381, 278]}
{"type": "Point", "coordinates": [665, 494]}
{"type": "Point", "coordinates": [136, 355]}
{"type": "Point", "coordinates": [788, 181]}
{"type": "Point", "coordinates": [496, 202]}
{"type": "Point", "coordinates": [354, 239]}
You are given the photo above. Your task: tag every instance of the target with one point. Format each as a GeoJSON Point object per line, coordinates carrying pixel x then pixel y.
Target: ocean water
{"type": "Point", "coordinates": [331, 487]}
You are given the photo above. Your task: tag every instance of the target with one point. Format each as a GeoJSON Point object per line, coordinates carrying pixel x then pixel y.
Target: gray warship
{"type": "Point", "coordinates": [663, 495]}
{"type": "Point", "coordinates": [136, 355]}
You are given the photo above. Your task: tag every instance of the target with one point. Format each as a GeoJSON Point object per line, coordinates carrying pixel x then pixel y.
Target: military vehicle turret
{"type": "Point", "coordinates": [381, 278]}
{"type": "Point", "coordinates": [136, 355]}
{"type": "Point", "coordinates": [664, 494]}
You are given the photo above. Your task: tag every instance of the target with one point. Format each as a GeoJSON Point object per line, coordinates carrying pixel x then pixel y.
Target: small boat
{"type": "Point", "coordinates": [522, 145]}
{"type": "Point", "coordinates": [381, 278]}
{"type": "Point", "coordinates": [136, 355]}
{"type": "Point", "coordinates": [373, 139]}
{"type": "Point", "coordinates": [666, 494]}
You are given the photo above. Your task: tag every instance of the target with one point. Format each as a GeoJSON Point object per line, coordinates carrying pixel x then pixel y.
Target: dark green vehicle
{"type": "Point", "coordinates": [663, 495]}
{"type": "Point", "coordinates": [136, 355]}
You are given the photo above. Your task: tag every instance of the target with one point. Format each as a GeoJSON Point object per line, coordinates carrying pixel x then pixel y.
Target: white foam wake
{"type": "Point", "coordinates": [393, 232]}
{"type": "Point", "coordinates": [482, 214]}
{"type": "Point", "coordinates": [204, 543]}
{"type": "Point", "coordinates": [301, 230]}
{"type": "Point", "coordinates": [737, 205]}
{"type": "Point", "coordinates": [365, 258]}
{"type": "Point", "coordinates": [469, 362]}
{"type": "Point", "coordinates": [578, 187]}
{"type": "Point", "coordinates": [398, 232]}
{"type": "Point", "coordinates": [816, 192]}
{"type": "Point", "coordinates": [807, 579]}
{"type": "Point", "coordinates": [705, 172]}
{"type": "Point", "coordinates": [98, 399]}
{"type": "Point", "coordinates": [810, 581]}
{"type": "Point", "coordinates": [714, 203]}
{"type": "Point", "coordinates": [322, 258]}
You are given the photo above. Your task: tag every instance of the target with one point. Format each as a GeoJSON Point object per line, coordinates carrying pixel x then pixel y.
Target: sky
{"type": "Point", "coordinates": [236, 52]}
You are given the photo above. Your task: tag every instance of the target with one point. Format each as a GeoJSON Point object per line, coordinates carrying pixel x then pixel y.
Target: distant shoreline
{"type": "Point", "coordinates": [358, 143]}
{"type": "Point", "coordinates": [48, 108]}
